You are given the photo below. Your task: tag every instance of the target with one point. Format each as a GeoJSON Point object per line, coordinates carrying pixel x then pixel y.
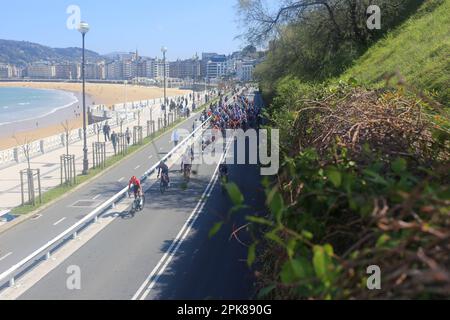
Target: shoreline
{"type": "Point", "coordinates": [16, 133]}
{"type": "Point", "coordinates": [56, 109]}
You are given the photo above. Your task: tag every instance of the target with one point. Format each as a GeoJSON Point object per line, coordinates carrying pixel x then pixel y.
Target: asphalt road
{"type": "Point", "coordinates": [143, 257]}
{"type": "Point", "coordinates": [20, 241]}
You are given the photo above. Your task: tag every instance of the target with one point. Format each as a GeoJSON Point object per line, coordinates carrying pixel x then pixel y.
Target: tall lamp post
{"type": "Point", "coordinates": [194, 76]}
{"type": "Point", "coordinates": [164, 50]}
{"type": "Point", "coordinates": [84, 29]}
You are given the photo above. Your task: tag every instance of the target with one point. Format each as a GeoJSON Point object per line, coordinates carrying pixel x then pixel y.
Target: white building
{"type": "Point", "coordinates": [245, 70]}
{"type": "Point", "coordinates": [41, 70]}
{"type": "Point", "coordinates": [147, 67]}
{"type": "Point", "coordinates": [5, 71]}
{"type": "Point", "coordinates": [158, 69]}
{"type": "Point", "coordinates": [216, 67]}
{"type": "Point", "coordinates": [66, 71]}
{"type": "Point", "coordinates": [114, 70]}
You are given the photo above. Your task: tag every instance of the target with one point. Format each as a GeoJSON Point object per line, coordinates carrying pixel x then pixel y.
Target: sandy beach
{"type": "Point", "coordinates": [107, 94]}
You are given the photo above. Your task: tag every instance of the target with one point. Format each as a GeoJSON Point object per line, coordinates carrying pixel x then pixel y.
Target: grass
{"type": "Point", "coordinates": [57, 192]}
{"type": "Point", "coordinates": [418, 50]}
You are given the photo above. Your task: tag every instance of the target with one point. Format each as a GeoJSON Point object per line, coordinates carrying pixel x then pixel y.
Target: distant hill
{"type": "Point", "coordinates": [21, 53]}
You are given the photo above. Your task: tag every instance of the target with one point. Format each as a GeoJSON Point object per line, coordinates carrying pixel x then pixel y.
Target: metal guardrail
{"type": "Point", "coordinates": [72, 232]}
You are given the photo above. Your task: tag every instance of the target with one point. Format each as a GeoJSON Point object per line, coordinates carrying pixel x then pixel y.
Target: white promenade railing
{"type": "Point", "coordinates": [45, 251]}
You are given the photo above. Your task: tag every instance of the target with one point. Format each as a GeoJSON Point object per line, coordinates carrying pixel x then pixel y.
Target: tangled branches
{"type": "Point", "coordinates": [369, 178]}
{"type": "Point", "coordinates": [388, 123]}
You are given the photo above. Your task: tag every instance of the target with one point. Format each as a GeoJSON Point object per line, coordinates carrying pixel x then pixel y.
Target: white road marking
{"type": "Point", "coordinates": [185, 230]}
{"type": "Point", "coordinates": [121, 179]}
{"type": "Point", "coordinates": [59, 221]}
{"type": "Point", "coordinates": [137, 167]}
{"type": "Point", "coordinates": [150, 157]}
{"type": "Point", "coordinates": [5, 256]}
{"type": "Point", "coordinates": [96, 197]}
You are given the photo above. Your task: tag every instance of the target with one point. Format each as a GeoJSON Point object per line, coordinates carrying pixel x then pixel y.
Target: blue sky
{"type": "Point", "coordinates": [185, 27]}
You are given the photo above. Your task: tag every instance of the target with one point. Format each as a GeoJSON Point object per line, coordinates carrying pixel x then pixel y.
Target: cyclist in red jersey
{"type": "Point", "coordinates": [135, 186]}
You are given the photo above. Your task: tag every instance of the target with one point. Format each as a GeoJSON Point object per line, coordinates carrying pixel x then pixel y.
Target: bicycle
{"type": "Point", "coordinates": [138, 204]}
{"type": "Point", "coordinates": [187, 172]}
{"type": "Point", "coordinates": [164, 183]}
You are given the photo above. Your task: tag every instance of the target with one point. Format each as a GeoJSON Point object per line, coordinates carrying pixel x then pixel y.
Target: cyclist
{"type": "Point", "coordinates": [135, 186]}
{"type": "Point", "coordinates": [164, 170]}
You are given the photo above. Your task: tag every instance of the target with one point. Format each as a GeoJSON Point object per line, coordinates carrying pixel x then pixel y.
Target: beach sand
{"type": "Point", "coordinates": [107, 94]}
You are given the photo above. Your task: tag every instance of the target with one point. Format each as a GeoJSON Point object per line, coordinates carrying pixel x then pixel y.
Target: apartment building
{"type": "Point", "coordinates": [216, 67]}
{"type": "Point", "coordinates": [158, 69]}
{"type": "Point", "coordinates": [245, 70]}
{"type": "Point", "coordinates": [185, 69]}
{"type": "Point", "coordinates": [206, 56]}
{"type": "Point", "coordinates": [5, 71]}
{"type": "Point", "coordinates": [67, 71]}
{"type": "Point", "coordinates": [41, 70]}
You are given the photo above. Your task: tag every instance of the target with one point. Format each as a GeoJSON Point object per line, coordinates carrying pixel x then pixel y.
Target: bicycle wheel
{"type": "Point", "coordinates": [142, 205]}
{"type": "Point", "coordinates": [162, 187]}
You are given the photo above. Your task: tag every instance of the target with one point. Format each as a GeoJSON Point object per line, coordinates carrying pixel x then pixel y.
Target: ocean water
{"type": "Point", "coordinates": [19, 104]}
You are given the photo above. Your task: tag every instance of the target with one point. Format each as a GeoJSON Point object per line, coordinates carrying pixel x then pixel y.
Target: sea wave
{"type": "Point", "coordinates": [74, 100]}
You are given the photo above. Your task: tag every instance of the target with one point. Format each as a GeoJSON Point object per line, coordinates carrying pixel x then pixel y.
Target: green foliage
{"type": "Point", "coordinates": [325, 202]}
{"type": "Point", "coordinates": [338, 204]}
{"type": "Point", "coordinates": [315, 46]}
{"type": "Point", "coordinates": [235, 194]}
{"type": "Point", "coordinates": [418, 50]}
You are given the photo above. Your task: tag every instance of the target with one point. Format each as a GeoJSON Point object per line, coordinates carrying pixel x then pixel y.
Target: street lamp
{"type": "Point", "coordinates": [164, 50]}
{"type": "Point", "coordinates": [194, 76]}
{"type": "Point", "coordinates": [83, 28]}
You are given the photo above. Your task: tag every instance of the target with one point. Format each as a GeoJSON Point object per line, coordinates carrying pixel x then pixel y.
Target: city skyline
{"type": "Point", "coordinates": [201, 26]}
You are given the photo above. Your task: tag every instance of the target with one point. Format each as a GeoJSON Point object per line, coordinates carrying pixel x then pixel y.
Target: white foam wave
{"type": "Point", "coordinates": [74, 100]}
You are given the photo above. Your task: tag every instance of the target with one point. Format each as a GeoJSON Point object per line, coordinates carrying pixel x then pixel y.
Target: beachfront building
{"type": "Point", "coordinates": [206, 56]}
{"type": "Point", "coordinates": [66, 71]}
{"type": "Point", "coordinates": [158, 69]}
{"type": "Point", "coordinates": [146, 67]}
{"type": "Point", "coordinates": [114, 70]}
{"type": "Point", "coordinates": [5, 71]}
{"type": "Point", "coordinates": [92, 71]}
{"type": "Point", "coordinates": [185, 69]}
{"type": "Point", "coordinates": [216, 67]}
{"type": "Point", "coordinates": [245, 70]}
{"type": "Point", "coordinates": [41, 70]}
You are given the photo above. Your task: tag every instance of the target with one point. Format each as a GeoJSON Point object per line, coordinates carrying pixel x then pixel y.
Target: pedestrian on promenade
{"type": "Point", "coordinates": [114, 141]}
{"type": "Point", "coordinates": [106, 132]}
{"type": "Point", "coordinates": [128, 136]}
{"type": "Point", "coordinates": [195, 125]}
{"type": "Point", "coordinates": [175, 137]}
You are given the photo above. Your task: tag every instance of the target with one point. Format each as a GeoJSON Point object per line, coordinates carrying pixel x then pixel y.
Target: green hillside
{"type": "Point", "coordinates": [418, 50]}
{"type": "Point", "coordinates": [364, 180]}
{"type": "Point", "coordinates": [22, 53]}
